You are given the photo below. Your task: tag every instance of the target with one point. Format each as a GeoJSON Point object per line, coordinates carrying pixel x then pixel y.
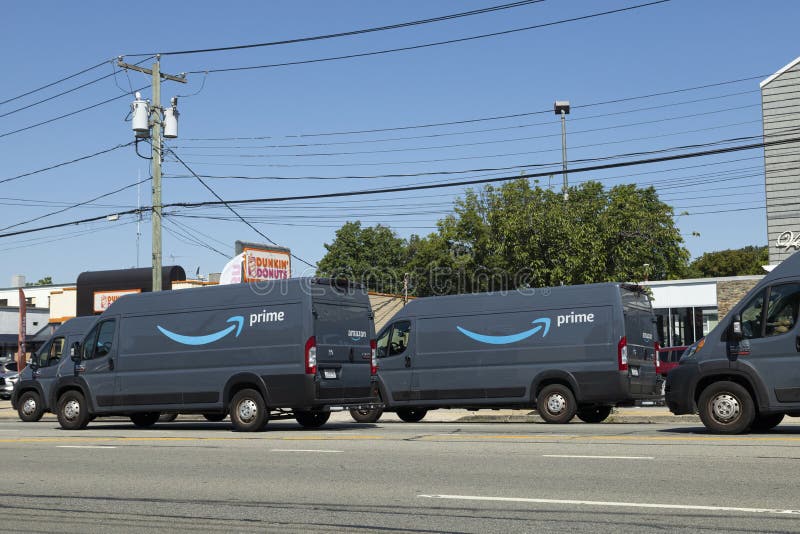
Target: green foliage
{"type": "Point", "coordinates": [46, 281]}
{"type": "Point", "coordinates": [520, 235]}
{"type": "Point", "coordinates": [735, 262]}
{"type": "Point", "coordinates": [373, 255]}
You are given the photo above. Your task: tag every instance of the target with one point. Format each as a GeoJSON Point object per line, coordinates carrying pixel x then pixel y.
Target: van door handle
{"type": "Point", "coordinates": [408, 361]}
{"type": "Point", "coordinates": [111, 364]}
{"type": "Point", "coordinates": [797, 343]}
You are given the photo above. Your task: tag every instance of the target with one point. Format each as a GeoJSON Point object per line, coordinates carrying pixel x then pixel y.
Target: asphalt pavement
{"type": "Point", "coordinates": [432, 476]}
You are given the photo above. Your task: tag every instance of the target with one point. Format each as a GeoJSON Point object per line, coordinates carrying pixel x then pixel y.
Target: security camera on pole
{"type": "Point", "coordinates": [144, 118]}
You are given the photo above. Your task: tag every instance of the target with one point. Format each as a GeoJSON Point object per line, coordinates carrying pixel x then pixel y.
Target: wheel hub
{"type": "Point", "coordinates": [556, 403]}
{"type": "Point", "coordinates": [248, 410]}
{"type": "Point", "coordinates": [72, 409]}
{"type": "Point", "coordinates": [726, 407]}
{"type": "Point", "coordinates": [29, 406]}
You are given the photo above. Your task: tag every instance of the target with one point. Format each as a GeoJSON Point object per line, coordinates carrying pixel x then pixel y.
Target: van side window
{"type": "Point", "coordinates": [752, 317]}
{"type": "Point", "coordinates": [400, 337]}
{"type": "Point", "coordinates": [782, 309]}
{"type": "Point", "coordinates": [99, 341]}
{"type": "Point", "coordinates": [43, 354]}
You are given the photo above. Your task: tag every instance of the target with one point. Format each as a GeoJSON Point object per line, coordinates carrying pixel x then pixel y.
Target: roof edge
{"type": "Point", "coordinates": [781, 71]}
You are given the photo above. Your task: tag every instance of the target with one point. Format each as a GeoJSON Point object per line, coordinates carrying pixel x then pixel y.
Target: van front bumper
{"type": "Point", "coordinates": [679, 390]}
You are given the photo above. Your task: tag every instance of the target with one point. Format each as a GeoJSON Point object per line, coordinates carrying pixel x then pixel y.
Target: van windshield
{"type": "Point", "coordinates": [341, 325]}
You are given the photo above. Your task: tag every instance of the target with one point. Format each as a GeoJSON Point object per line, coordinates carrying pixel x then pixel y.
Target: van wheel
{"type": "Point", "coordinates": [762, 423]}
{"type": "Point", "coordinates": [248, 411]}
{"type": "Point", "coordinates": [167, 417]}
{"type": "Point", "coordinates": [30, 407]}
{"type": "Point", "coordinates": [411, 415]}
{"type": "Point", "coordinates": [72, 411]}
{"type": "Point", "coordinates": [726, 408]}
{"type": "Point", "coordinates": [145, 419]}
{"type": "Point", "coordinates": [312, 419]}
{"type": "Point", "coordinates": [594, 414]}
{"type": "Point", "coordinates": [215, 417]}
{"type": "Point", "coordinates": [556, 404]}
{"type": "Point", "coordinates": [366, 416]}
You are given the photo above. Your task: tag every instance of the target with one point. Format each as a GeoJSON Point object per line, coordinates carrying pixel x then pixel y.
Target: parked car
{"type": "Point", "coordinates": [566, 351]}
{"type": "Point", "coordinates": [7, 382]}
{"type": "Point", "coordinates": [745, 374]}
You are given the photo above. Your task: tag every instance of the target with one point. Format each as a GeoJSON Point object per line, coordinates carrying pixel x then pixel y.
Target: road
{"type": "Point", "coordinates": [397, 477]}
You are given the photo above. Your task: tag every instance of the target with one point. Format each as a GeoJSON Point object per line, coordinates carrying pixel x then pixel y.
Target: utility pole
{"type": "Point", "coordinates": [156, 118]}
{"type": "Point", "coordinates": [561, 107]}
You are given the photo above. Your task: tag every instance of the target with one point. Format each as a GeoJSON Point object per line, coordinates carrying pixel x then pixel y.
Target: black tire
{"type": "Point", "coordinates": [411, 415]}
{"type": "Point", "coordinates": [167, 417]}
{"type": "Point", "coordinates": [594, 414]}
{"type": "Point", "coordinates": [72, 411]}
{"type": "Point", "coordinates": [764, 423]}
{"type": "Point", "coordinates": [366, 416]}
{"type": "Point", "coordinates": [556, 404]}
{"type": "Point", "coordinates": [215, 417]}
{"type": "Point", "coordinates": [29, 407]}
{"type": "Point", "coordinates": [726, 408]}
{"type": "Point", "coordinates": [145, 419]}
{"type": "Point", "coordinates": [312, 419]}
{"type": "Point", "coordinates": [248, 411]}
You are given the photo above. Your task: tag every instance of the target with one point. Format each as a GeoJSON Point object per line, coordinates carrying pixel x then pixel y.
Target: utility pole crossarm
{"type": "Point", "coordinates": [180, 78]}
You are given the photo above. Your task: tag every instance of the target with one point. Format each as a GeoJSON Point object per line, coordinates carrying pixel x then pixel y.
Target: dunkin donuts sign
{"type": "Point", "coordinates": [264, 264]}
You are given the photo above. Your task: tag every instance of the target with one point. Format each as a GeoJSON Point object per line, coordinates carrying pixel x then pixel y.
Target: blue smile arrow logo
{"type": "Point", "coordinates": [209, 338]}
{"type": "Point", "coordinates": [544, 322]}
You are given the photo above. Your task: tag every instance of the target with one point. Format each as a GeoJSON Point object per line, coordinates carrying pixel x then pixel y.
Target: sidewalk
{"type": "Point", "coordinates": [649, 414]}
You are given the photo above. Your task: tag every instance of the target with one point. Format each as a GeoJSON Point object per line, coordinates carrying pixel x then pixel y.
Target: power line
{"type": "Point", "coordinates": [55, 82]}
{"type": "Point", "coordinates": [438, 43]}
{"type": "Point", "coordinates": [65, 115]}
{"type": "Point", "coordinates": [62, 164]}
{"type": "Point", "coordinates": [352, 32]}
{"type": "Point", "coordinates": [62, 210]}
{"type": "Point", "coordinates": [574, 170]}
{"type": "Point", "coordinates": [245, 221]}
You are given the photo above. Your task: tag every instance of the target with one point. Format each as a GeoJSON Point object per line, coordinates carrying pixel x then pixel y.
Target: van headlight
{"type": "Point", "coordinates": [692, 351]}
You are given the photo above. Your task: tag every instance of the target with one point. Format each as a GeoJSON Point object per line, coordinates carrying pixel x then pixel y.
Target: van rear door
{"type": "Point", "coordinates": [343, 333]}
{"type": "Point", "coordinates": [640, 335]}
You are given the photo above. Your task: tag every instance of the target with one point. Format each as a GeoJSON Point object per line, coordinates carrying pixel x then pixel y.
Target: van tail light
{"type": "Point", "coordinates": [311, 356]}
{"type": "Point", "coordinates": [373, 364]}
{"type": "Point", "coordinates": [622, 354]}
{"type": "Point", "coordinates": [657, 348]}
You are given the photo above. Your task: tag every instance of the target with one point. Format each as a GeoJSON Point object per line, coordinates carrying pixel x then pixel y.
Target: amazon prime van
{"type": "Point", "coordinates": [295, 348]}
{"type": "Point", "coordinates": [564, 351]}
{"type": "Point", "coordinates": [745, 374]}
{"type": "Point", "coordinates": [32, 395]}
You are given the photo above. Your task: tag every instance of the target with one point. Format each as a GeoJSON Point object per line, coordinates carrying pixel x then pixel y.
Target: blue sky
{"type": "Point", "coordinates": [676, 45]}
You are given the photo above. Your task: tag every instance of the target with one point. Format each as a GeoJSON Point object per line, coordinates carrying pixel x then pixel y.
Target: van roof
{"type": "Point", "coordinates": [255, 293]}
{"type": "Point", "coordinates": [788, 267]}
{"type": "Point", "coordinates": [556, 297]}
{"type": "Point", "coordinates": [77, 325]}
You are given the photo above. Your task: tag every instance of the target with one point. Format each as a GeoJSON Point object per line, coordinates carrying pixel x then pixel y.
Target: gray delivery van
{"type": "Point", "coordinates": [50, 363]}
{"type": "Point", "coordinates": [745, 374]}
{"type": "Point", "coordinates": [561, 350]}
{"type": "Point", "coordinates": [293, 348]}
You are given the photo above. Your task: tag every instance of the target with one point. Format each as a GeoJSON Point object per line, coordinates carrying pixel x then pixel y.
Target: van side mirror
{"type": "Point", "coordinates": [75, 352]}
{"type": "Point", "coordinates": [736, 328]}
{"type": "Point", "coordinates": [34, 363]}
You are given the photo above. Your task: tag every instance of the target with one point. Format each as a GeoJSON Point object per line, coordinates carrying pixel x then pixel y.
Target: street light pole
{"type": "Point", "coordinates": [561, 107]}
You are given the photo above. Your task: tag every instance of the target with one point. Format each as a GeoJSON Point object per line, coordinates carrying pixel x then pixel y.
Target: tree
{"type": "Point", "coordinates": [517, 234]}
{"type": "Point", "coordinates": [46, 281]}
{"type": "Point", "coordinates": [374, 256]}
{"type": "Point", "coordinates": [521, 235]}
{"type": "Point", "coordinates": [731, 262]}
